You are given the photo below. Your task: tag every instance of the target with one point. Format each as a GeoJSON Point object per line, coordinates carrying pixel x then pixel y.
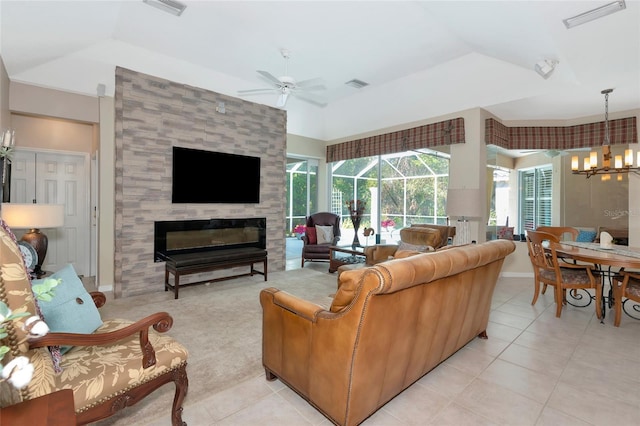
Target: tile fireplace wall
{"type": "Point", "coordinates": [151, 116]}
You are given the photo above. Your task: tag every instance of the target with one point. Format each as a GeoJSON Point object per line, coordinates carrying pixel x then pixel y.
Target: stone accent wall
{"type": "Point", "coordinates": [151, 116]}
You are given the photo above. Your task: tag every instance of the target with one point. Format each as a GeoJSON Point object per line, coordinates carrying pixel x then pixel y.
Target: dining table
{"type": "Point", "coordinates": [609, 260]}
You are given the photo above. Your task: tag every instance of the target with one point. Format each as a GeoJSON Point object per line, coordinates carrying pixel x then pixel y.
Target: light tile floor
{"type": "Point", "coordinates": [535, 369]}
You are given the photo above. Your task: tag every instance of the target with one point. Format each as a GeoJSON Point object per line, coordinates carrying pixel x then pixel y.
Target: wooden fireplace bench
{"type": "Point", "coordinates": [193, 263]}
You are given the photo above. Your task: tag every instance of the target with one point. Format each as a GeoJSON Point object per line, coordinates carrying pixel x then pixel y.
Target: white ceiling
{"type": "Point", "coordinates": [421, 58]}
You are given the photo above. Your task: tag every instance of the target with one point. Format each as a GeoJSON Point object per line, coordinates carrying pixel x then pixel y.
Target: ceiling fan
{"type": "Point", "coordinates": [287, 86]}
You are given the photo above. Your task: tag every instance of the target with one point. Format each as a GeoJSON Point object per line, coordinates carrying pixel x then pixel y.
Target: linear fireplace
{"type": "Point", "coordinates": [193, 236]}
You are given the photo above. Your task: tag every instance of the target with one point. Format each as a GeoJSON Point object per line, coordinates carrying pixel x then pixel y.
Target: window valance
{"type": "Point", "coordinates": [447, 132]}
{"type": "Point", "coordinates": [621, 131]}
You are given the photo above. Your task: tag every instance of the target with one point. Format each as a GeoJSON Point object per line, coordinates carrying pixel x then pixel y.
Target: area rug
{"type": "Point", "coordinates": [221, 326]}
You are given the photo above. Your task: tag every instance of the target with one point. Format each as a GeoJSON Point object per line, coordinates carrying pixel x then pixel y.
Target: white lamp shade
{"type": "Point", "coordinates": [29, 216]}
{"type": "Point", "coordinates": [464, 202]}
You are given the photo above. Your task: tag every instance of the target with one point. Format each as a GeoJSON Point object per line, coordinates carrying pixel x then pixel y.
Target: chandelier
{"type": "Point", "coordinates": [590, 164]}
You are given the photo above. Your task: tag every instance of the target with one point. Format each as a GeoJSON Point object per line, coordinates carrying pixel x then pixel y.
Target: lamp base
{"type": "Point", "coordinates": [40, 243]}
{"type": "Point", "coordinates": [463, 233]}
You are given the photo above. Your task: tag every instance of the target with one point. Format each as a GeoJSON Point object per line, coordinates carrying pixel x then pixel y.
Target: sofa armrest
{"type": "Point", "coordinates": [160, 321]}
{"type": "Point", "coordinates": [300, 307]}
{"type": "Point", "coordinates": [99, 298]}
{"type": "Point", "coordinates": [379, 253]}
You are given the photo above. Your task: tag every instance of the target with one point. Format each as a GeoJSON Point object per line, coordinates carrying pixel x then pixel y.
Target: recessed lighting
{"type": "Point", "coordinates": [594, 14]}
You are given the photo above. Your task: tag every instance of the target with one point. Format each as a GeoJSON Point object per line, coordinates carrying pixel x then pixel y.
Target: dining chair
{"type": "Point", "coordinates": [626, 285]}
{"type": "Point", "coordinates": [547, 270]}
{"type": "Point", "coordinates": [560, 231]}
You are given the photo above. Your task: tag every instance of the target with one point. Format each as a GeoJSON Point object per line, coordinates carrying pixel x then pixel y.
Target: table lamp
{"type": "Point", "coordinates": [34, 217]}
{"type": "Point", "coordinates": [463, 203]}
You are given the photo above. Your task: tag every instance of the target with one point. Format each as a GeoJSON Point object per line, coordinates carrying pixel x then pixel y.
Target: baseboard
{"type": "Point", "coordinates": [516, 274]}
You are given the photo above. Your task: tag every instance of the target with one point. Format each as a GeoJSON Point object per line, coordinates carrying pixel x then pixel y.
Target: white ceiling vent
{"type": "Point", "coordinates": [171, 6]}
{"type": "Point", "coordinates": [358, 84]}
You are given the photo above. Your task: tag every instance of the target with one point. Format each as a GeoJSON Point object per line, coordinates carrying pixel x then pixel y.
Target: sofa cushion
{"type": "Point", "coordinates": [446, 231]}
{"type": "Point", "coordinates": [347, 285]}
{"type": "Point", "coordinates": [312, 236]}
{"type": "Point", "coordinates": [119, 366]}
{"type": "Point", "coordinates": [401, 254]}
{"type": "Point", "coordinates": [414, 247]}
{"type": "Point", "coordinates": [16, 282]}
{"type": "Point", "coordinates": [422, 236]}
{"type": "Point", "coordinates": [586, 236]}
{"type": "Point", "coordinates": [324, 234]}
{"type": "Point", "coordinates": [71, 310]}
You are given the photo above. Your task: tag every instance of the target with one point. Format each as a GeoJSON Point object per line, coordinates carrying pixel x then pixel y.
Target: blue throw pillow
{"type": "Point", "coordinates": [72, 309]}
{"type": "Point", "coordinates": [586, 236]}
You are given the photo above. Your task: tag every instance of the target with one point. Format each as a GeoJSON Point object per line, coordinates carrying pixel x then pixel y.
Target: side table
{"type": "Point", "coordinates": [54, 409]}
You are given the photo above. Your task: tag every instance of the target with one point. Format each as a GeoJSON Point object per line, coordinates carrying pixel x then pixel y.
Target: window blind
{"type": "Point", "coordinates": [536, 187]}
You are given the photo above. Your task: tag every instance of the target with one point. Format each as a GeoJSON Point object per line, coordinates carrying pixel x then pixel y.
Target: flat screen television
{"type": "Point", "coordinates": [201, 176]}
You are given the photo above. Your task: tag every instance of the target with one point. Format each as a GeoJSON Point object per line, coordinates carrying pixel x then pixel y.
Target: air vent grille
{"type": "Point", "coordinates": [171, 6]}
{"type": "Point", "coordinates": [358, 84]}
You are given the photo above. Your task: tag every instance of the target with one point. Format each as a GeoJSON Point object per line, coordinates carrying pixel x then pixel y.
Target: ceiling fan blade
{"type": "Point", "coordinates": [255, 91]}
{"type": "Point", "coordinates": [311, 84]}
{"type": "Point", "coordinates": [270, 77]}
{"type": "Point", "coordinates": [311, 99]}
{"type": "Point", "coordinates": [316, 87]}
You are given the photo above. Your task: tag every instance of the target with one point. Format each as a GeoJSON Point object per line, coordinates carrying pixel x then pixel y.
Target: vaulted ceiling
{"type": "Point", "coordinates": [421, 58]}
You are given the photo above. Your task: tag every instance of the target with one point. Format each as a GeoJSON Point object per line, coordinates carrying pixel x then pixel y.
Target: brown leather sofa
{"type": "Point", "coordinates": [426, 235]}
{"type": "Point", "coordinates": [388, 325]}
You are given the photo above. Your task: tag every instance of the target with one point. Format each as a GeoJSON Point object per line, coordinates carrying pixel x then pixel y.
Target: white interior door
{"type": "Point", "coordinates": [57, 178]}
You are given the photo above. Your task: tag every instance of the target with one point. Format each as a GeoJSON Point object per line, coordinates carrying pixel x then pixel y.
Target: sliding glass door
{"type": "Point", "coordinates": [301, 191]}
{"type": "Point", "coordinates": [399, 189]}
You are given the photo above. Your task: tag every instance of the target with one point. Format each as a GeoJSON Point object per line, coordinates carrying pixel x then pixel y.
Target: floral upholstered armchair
{"type": "Point", "coordinates": [114, 367]}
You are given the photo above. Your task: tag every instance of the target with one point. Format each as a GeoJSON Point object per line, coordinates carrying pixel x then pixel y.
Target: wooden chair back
{"type": "Point", "coordinates": [547, 270]}
{"type": "Point", "coordinates": [560, 231]}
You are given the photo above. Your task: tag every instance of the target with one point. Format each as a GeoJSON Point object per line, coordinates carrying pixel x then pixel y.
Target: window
{"type": "Point", "coordinates": [301, 191]}
{"type": "Point", "coordinates": [399, 189]}
{"type": "Point", "coordinates": [535, 197]}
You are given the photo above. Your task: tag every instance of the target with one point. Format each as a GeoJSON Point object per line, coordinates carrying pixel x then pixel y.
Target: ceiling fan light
{"type": "Point", "coordinates": [282, 99]}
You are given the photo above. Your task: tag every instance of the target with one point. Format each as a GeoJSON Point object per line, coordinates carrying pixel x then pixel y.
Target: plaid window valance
{"type": "Point", "coordinates": [447, 132]}
{"type": "Point", "coordinates": [621, 131]}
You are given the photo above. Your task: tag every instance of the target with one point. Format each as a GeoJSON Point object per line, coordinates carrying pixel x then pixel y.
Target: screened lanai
{"type": "Point", "coordinates": [397, 190]}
